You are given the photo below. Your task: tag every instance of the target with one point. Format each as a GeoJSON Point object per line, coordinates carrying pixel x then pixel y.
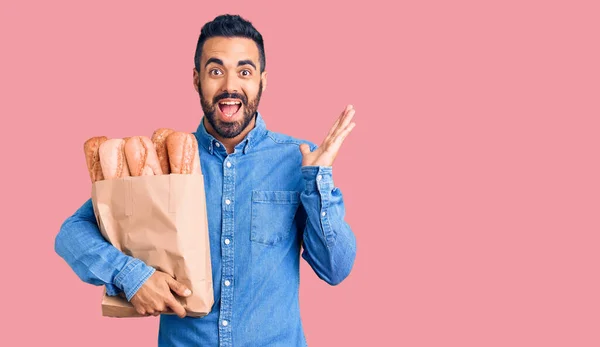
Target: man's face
{"type": "Point", "coordinates": [229, 83]}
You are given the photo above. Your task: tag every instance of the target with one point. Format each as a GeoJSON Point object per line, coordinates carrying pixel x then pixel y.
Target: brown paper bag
{"type": "Point", "coordinates": [161, 220]}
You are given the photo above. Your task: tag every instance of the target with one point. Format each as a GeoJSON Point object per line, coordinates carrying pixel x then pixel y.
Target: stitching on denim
{"type": "Point", "coordinates": [124, 272]}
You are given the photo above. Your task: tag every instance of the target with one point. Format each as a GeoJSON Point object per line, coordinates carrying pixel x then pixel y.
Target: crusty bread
{"type": "Point", "coordinates": [141, 156]}
{"type": "Point", "coordinates": [159, 138]}
{"type": "Point", "coordinates": [183, 153]}
{"type": "Point", "coordinates": [92, 158]}
{"type": "Point", "coordinates": [112, 159]}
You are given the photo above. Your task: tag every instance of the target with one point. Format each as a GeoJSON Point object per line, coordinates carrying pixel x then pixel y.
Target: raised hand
{"type": "Point", "coordinates": [325, 154]}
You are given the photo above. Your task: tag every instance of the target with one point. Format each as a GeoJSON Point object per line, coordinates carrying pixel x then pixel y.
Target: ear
{"type": "Point", "coordinates": [196, 80]}
{"type": "Point", "coordinates": [263, 77]}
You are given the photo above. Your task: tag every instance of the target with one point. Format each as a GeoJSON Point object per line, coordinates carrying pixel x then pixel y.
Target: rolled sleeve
{"type": "Point", "coordinates": [133, 276]}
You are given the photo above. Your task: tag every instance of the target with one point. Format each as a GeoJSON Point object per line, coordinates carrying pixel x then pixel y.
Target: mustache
{"type": "Point", "coordinates": [220, 97]}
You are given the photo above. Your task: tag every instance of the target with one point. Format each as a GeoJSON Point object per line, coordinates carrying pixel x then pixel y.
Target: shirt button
{"type": "Point", "coordinates": [228, 164]}
{"type": "Point", "coordinates": [225, 323]}
{"type": "Point", "coordinates": [227, 201]}
{"type": "Point", "coordinates": [217, 144]}
{"type": "Point", "coordinates": [227, 283]}
{"type": "Point", "coordinates": [323, 214]}
{"type": "Point", "coordinates": [319, 177]}
{"type": "Point", "coordinates": [227, 241]}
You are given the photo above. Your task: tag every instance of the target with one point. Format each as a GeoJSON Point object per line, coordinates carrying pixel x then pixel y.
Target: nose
{"type": "Point", "coordinates": [231, 84]}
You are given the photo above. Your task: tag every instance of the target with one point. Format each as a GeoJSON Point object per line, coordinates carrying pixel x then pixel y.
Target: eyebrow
{"type": "Point", "coordinates": [213, 60]}
{"type": "Point", "coordinates": [220, 62]}
{"type": "Point", "coordinates": [246, 62]}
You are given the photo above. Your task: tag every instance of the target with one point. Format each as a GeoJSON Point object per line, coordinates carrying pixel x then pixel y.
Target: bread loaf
{"type": "Point", "coordinates": [183, 153]}
{"type": "Point", "coordinates": [159, 138]}
{"type": "Point", "coordinates": [141, 156]}
{"type": "Point", "coordinates": [91, 148]}
{"type": "Point", "coordinates": [112, 159]}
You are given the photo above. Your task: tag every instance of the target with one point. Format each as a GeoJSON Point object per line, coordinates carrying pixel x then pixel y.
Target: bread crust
{"type": "Point", "coordinates": [159, 138]}
{"type": "Point", "coordinates": [91, 149]}
{"type": "Point", "coordinates": [141, 156]}
{"type": "Point", "coordinates": [113, 160]}
{"type": "Point", "coordinates": [183, 153]}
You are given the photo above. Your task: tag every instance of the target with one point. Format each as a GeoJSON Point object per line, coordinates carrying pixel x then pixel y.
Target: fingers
{"type": "Point", "coordinates": [336, 125]}
{"type": "Point", "coordinates": [178, 287]}
{"type": "Point", "coordinates": [146, 310]}
{"type": "Point", "coordinates": [140, 310]}
{"type": "Point", "coordinates": [138, 304]}
{"type": "Point", "coordinates": [304, 149]}
{"type": "Point", "coordinates": [156, 297]}
{"type": "Point", "coordinates": [344, 128]}
{"type": "Point", "coordinates": [340, 138]}
{"type": "Point", "coordinates": [341, 124]}
{"type": "Point", "coordinates": [345, 122]}
{"type": "Point", "coordinates": [159, 307]}
{"type": "Point", "coordinates": [175, 306]}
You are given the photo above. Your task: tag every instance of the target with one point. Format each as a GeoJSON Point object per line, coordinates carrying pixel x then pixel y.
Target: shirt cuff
{"type": "Point", "coordinates": [133, 276]}
{"type": "Point", "coordinates": [319, 183]}
{"type": "Point", "coordinates": [112, 290]}
{"type": "Point", "coordinates": [318, 178]}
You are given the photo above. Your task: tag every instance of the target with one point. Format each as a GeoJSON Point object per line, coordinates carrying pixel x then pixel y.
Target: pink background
{"type": "Point", "coordinates": [471, 179]}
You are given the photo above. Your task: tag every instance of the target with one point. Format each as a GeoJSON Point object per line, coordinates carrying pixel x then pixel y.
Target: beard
{"type": "Point", "coordinates": [230, 130]}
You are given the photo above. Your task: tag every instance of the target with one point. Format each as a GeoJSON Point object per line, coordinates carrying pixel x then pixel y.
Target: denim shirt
{"type": "Point", "coordinates": [264, 211]}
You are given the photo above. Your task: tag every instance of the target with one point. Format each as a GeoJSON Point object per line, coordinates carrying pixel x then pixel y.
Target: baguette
{"type": "Point", "coordinates": [141, 156]}
{"type": "Point", "coordinates": [112, 159]}
{"type": "Point", "coordinates": [183, 153]}
{"type": "Point", "coordinates": [159, 138]}
{"type": "Point", "coordinates": [92, 158]}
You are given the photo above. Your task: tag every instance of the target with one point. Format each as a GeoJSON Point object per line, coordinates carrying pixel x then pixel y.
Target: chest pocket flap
{"type": "Point", "coordinates": [273, 213]}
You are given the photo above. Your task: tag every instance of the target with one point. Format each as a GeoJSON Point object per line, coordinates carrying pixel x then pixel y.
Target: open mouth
{"type": "Point", "coordinates": [229, 108]}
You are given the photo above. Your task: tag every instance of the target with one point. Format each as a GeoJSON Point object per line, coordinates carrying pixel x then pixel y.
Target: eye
{"type": "Point", "coordinates": [246, 73]}
{"type": "Point", "coordinates": [214, 72]}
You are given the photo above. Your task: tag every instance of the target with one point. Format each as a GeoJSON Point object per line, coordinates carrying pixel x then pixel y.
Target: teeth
{"type": "Point", "coordinates": [230, 103]}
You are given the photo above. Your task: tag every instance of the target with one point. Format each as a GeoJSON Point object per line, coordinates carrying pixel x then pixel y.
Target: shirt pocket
{"type": "Point", "coordinates": [273, 213]}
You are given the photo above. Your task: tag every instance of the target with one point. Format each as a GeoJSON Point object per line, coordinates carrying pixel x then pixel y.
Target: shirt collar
{"type": "Point", "coordinates": [252, 138]}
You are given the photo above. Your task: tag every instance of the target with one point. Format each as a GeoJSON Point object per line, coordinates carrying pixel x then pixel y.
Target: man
{"type": "Point", "coordinates": [268, 195]}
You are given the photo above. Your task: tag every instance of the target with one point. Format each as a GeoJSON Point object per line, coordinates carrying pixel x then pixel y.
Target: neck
{"type": "Point", "coordinates": [230, 143]}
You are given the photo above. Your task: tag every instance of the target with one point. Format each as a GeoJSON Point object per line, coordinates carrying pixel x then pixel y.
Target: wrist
{"type": "Point", "coordinates": [317, 177]}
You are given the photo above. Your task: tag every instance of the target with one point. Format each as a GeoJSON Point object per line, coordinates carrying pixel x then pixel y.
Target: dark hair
{"type": "Point", "coordinates": [230, 26]}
